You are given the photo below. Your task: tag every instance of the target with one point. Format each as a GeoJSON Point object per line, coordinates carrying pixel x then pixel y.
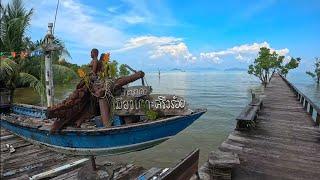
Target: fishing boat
{"type": "Point", "coordinates": [120, 125]}
{"type": "Point", "coordinates": [30, 123]}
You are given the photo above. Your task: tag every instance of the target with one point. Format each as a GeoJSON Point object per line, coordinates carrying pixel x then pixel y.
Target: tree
{"type": "Point", "coordinates": [292, 64]}
{"type": "Point", "coordinates": [267, 63]}
{"type": "Point", "coordinates": [62, 70]}
{"type": "Point", "coordinates": [123, 71]}
{"type": "Point", "coordinates": [15, 20]}
{"type": "Point", "coordinates": [316, 73]}
{"type": "Point", "coordinates": [11, 76]}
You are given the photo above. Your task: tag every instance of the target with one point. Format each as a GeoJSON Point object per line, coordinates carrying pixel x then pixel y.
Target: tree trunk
{"type": "Point", "coordinates": [128, 79]}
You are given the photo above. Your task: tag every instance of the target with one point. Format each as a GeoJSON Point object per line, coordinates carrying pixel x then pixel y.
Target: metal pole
{"type": "Point", "coordinates": [48, 68]}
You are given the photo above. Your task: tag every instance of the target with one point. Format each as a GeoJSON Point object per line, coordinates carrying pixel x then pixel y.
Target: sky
{"type": "Point", "coordinates": [189, 34]}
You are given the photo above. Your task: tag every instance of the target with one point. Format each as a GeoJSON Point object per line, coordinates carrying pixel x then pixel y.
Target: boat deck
{"type": "Point", "coordinates": [285, 143]}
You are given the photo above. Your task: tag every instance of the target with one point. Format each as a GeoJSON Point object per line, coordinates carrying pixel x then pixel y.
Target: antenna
{"type": "Point", "coordinates": [55, 17]}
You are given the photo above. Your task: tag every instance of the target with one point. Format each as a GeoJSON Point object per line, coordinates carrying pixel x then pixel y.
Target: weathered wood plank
{"type": "Point", "coordinates": [28, 159]}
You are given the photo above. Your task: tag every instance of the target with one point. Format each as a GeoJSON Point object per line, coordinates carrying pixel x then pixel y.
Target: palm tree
{"type": "Point", "coordinates": [15, 20]}
{"type": "Point", "coordinates": [11, 76]}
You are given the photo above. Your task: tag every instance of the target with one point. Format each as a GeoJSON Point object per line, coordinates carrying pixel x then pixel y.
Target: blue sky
{"type": "Point", "coordinates": [182, 34]}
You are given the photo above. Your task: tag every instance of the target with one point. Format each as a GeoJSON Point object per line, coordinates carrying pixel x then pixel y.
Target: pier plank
{"type": "Point", "coordinates": [28, 159]}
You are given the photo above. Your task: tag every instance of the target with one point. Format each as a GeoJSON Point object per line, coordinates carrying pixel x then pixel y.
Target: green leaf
{"type": "Point", "coordinates": [33, 82]}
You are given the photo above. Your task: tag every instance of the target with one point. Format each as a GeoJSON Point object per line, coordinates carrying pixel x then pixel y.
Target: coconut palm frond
{"type": "Point", "coordinates": [15, 20]}
{"type": "Point", "coordinates": [8, 69]}
{"type": "Point", "coordinates": [63, 70]}
{"type": "Point", "coordinates": [63, 51]}
{"type": "Point", "coordinates": [32, 81]}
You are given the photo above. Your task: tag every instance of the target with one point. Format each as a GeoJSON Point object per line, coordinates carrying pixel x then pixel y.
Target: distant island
{"type": "Point", "coordinates": [178, 69]}
{"type": "Point", "coordinates": [236, 69]}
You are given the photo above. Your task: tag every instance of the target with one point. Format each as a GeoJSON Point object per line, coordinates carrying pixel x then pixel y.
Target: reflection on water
{"type": "Point", "coordinates": [29, 96]}
{"type": "Point", "coordinates": [224, 94]}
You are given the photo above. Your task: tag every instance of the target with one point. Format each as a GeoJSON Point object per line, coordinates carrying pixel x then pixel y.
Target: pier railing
{"type": "Point", "coordinates": [308, 105]}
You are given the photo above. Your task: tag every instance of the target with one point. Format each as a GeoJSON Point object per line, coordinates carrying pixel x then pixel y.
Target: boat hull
{"type": "Point", "coordinates": [105, 141]}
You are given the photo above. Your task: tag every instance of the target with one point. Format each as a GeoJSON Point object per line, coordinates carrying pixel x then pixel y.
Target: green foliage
{"type": "Point", "coordinates": [111, 69]}
{"type": "Point", "coordinates": [123, 71]}
{"type": "Point", "coordinates": [15, 20]}
{"type": "Point", "coordinates": [18, 72]}
{"type": "Point", "coordinates": [316, 73]}
{"type": "Point", "coordinates": [267, 63]}
{"type": "Point", "coordinates": [150, 114]}
{"type": "Point", "coordinates": [56, 56]}
{"type": "Point", "coordinates": [86, 68]}
{"type": "Point", "coordinates": [63, 74]}
{"type": "Point", "coordinates": [25, 79]}
{"type": "Point", "coordinates": [11, 77]}
{"type": "Point", "coordinates": [292, 64]}
{"type": "Point", "coordinates": [9, 72]}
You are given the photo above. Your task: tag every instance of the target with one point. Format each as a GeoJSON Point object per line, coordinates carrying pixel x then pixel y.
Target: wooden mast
{"type": "Point", "coordinates": [48, 67]}
{"type": "Point", "coordinates": [48, 47]}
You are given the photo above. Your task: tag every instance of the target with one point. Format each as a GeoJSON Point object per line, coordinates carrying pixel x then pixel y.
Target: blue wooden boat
{"type": "Point", "coordinates": [30, 123]}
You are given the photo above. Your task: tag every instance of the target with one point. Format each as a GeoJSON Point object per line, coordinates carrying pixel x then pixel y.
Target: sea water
{"type": "Point", "coordinates": [224, 94]}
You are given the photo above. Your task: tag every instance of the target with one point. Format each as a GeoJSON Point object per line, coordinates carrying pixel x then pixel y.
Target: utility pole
{"type": "Point", "coordinates": [48, 48]}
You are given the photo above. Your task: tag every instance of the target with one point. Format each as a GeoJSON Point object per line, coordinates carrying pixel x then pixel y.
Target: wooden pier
{"type": "Point", "coordinates": [284, 142]}
{"type": "Point", "coordinates": [25, 159]}
{"type": "Point", "coordinates": [22, 160]}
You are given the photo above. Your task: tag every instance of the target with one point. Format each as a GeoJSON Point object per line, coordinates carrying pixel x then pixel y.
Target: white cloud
{"type": "Point", "coordinates": [76, 24]}
{"type": "Point", "coordinates": [113, 9]}
{"type": "Point", "coordinates": [245, 52]}
{"type": "Point", "coordinates": [282, 52]}
{"type": "Point", "coordinates": [134, 19]}
{"type": "Point", "coordinates": [239, 57]}
{"type": "Point", "coordinates": [160, 47]}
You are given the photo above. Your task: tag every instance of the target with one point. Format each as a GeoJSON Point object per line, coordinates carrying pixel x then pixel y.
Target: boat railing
{"type": "Point", "coordinates": [29, 110]}
{"type": "Point", "coordinates": [307, 103]}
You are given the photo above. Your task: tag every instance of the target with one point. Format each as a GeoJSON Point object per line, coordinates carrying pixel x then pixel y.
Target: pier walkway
{"type": "Point", "coordinates": [285, 143]}
{"type": "Point", "coordinates": [28, 161]}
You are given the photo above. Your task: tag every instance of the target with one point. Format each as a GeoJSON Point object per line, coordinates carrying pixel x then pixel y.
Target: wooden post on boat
{"type": "Point", "coordinates": [105, 112]}
{"type": "Point", "coordinates": [93, 163]}
{"type": "Point", "coordinates": [48, 67]}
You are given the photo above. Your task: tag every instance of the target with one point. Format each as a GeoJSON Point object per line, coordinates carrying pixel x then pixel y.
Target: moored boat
{"type": "Point", "coordinates": [29, 122]}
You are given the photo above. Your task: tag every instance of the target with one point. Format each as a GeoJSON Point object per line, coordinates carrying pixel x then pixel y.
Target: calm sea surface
{"type": "Point", "coordinates": [224, 94]}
